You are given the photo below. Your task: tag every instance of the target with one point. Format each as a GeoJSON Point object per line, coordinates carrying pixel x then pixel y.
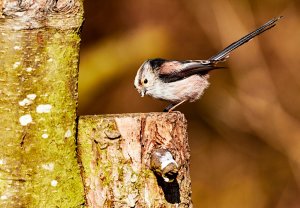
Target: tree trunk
{"type": "Point", "coordinates": [135, 160]}
{"type": "Point", "coordinates": [39, 45]}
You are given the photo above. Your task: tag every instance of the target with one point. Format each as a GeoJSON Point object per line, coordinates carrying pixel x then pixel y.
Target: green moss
{"type": "Point", "coordinates": [47, 68]}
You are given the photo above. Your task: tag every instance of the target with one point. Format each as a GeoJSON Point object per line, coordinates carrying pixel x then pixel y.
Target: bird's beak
{"type": "Point", "coordinates": [143, 93]}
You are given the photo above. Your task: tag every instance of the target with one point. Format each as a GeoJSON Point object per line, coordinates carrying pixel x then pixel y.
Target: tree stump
{"type": "Point", "coordinates": [135, 160]}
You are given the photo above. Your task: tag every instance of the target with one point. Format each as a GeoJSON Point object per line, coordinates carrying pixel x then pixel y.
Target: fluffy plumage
{"type": "Point", "coordinates": [181, 81]}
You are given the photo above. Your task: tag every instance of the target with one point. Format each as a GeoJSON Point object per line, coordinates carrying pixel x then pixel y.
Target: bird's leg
{"type": "Point", "coordinates": [172, 106]}
{"type": "Point", "coordinates": [168, 107]}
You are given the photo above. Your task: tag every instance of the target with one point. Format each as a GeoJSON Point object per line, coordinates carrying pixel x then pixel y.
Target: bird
{"type": "Point", "coordinates": [185, 81]}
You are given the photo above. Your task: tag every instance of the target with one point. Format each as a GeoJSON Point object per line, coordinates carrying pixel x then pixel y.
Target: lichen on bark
{"type": "Point", "coordinates": [38, 103]}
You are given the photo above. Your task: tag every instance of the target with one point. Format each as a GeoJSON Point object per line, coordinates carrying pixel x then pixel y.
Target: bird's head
{"type": "Point", "coordinates": [147, 75]}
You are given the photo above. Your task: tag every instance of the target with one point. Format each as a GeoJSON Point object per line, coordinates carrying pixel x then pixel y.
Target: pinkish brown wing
{"type": "Point", "coordinates": [170, 68]}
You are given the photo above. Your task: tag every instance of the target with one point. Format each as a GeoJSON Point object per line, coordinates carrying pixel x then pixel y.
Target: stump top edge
{"type": "Point", "coordinates": [133, 115]}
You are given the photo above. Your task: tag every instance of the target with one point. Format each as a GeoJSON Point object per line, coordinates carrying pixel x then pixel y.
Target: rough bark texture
{"type": "Point", "coordinates": [39, 45]}
{"type": "Point", "coordinates": [120, 153]}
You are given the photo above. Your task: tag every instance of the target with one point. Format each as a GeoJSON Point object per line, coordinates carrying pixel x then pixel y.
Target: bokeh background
{"type": "Point", "coordinates": [245, 131]}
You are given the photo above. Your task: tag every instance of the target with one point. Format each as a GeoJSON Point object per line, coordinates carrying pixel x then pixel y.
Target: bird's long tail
{"type": "Point", "coordinates": [222, 55]}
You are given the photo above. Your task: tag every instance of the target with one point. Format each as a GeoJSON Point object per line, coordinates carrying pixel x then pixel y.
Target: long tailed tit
{"type": "Point", "coordinates": [181, 81]}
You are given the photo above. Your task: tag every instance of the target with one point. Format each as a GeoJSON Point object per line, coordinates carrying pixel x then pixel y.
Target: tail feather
{"type": "Point", "coordinates": [225, 52]}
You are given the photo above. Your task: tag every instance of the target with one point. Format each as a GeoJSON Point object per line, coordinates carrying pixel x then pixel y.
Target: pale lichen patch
{"type": "Point", "coordinates": [131, 200]}
{"type": "Point", "coordinates": [31, 96]}
{"type": "Point", "coordinates": [25, 102]}
{"type": "Point", "coordinates": [16, 64]}
{"type": "Point", "coordinates": [133, 178]}
{"type": "Point", "coordinates": [28, 100]}
{"type": "Point", "coordinates": [48, 166]}
{"type": "Point", "coordinates": [147, 197]}
{"type": "Point", "coordinates": [43, 108]}
{"type": "Point", "coordinates": [3, 197]}
{"type": "Point", "coordinates": [2, 162]}
{"type": "Point", "coordinates": [17, 47]}
{"type": "Point", "coordinates": [68, 133]}
{"type": "Point", "coordinates": [54, 183]}
{"type": "Point", "coordinates": [45, 136]}
{"type": "Point", "coordinates": [29, 69]}
{"type": "Point", "coordinates": [25, 119]}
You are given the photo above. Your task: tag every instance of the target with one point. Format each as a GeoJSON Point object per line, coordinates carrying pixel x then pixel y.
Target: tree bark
{"type": "Point", "coordinates": [135, 160]}
{"type": "Point", "coordinates": [39, 45]}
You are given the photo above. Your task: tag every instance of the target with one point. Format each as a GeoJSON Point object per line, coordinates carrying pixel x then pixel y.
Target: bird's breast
{"type": "Point", "coordinates": [189, 89]}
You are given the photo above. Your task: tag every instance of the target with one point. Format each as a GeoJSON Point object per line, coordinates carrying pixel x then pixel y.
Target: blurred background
{"type": "Point", "coordinates": [245, 131]}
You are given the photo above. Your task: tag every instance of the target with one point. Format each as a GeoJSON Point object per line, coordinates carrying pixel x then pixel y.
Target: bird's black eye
{"type": "Point", "coordinates": [145, 81]}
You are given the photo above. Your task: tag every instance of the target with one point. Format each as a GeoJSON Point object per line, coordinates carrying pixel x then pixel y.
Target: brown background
{"type": "Point", "coordinates": [245, 131]}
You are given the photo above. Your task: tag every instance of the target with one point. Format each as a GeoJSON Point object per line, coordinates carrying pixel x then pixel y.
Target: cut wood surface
{"type": "Point", "coordinates": [135, 160]}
